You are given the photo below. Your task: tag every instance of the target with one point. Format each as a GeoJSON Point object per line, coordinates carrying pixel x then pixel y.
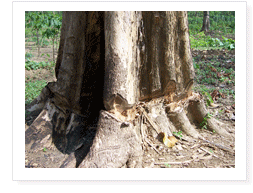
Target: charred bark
{"type": "Point", "coordinates": [113, 68]}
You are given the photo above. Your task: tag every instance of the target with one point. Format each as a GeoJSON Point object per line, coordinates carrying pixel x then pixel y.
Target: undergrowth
{"type": "Point", "coordinates": [33, 89]}
{"type": "Point", "coordinates": [33, 65]}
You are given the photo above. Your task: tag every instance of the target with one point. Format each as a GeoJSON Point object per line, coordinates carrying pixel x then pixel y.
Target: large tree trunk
{"type": "Point", "coordinates": [112, 69]}
{"type": "Point", "coordinates": [206, 22]}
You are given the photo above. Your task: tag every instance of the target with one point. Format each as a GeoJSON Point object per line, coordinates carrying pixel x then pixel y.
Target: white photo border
{"type": "Point", "coordinates": [237, 174]}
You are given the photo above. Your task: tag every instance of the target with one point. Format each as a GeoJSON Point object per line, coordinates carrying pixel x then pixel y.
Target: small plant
{"type": "Point", "coordinates": [228, 43]}
{"type": "Point", "coordinates": [208, 97]}
{"type": "Point", "coordinates": [27, 113]}
{"type": "Point", "coordinates": [221, 111]}
{"type": "Point", "coordinates": [32, 65]}
{"type": "Point", "coordinates": [203, 124]}
{"type": "Point", "coordinates": [215, 42]}
{"type": "Point", "coordinates": [222, 79]}
{"type": "Point", "coordinates": [178, 134]}
{"type": "Point", "coordinates": [196, 65]}
{"type": "Point", "coordinates": [48, 55]}
{"type": "Point", "coordinates": [44, 149]}
{"type": "Point", "coordinates": [167, 165]}
{"type": "Point", "coordinates": [28, 55]}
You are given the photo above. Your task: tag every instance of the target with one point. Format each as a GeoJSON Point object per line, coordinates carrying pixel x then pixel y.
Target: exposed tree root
{"type": "Point", "coordinates": [116, 142]}
{"type": "Point", "coordinates": [68, 130]}
{"type": "Point", "coordinates": [197, 111]}
{"type": "Point", "coordinates": [180, 120]}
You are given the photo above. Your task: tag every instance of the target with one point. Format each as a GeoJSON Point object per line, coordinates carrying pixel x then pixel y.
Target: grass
{"type": "Point", "coordinates": [33, 89]}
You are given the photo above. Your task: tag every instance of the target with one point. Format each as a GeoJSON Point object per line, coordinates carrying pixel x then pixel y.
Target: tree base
{"type": "Point", "coordinates": [118, 139]}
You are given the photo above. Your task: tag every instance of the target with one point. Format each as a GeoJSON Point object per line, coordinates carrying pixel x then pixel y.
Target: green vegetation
{"type": "Point", "coordinates": [178, 134]}
{"type": "Point", "coordinates": [43, 28]}
{"type": "Point", "coordinates": [167, 165]}
{"type": "Point", "coordinates": [213, 73]}
{"type": "Point", "coordinates": [32, 65]}
{"type": "Point", "coordinates": [203, 124]}
{"type": "Point", "coordinates": [221, 22]}
{"type": "Point", "coordinates": [211, 70]}
{"type": "Point", "coordinates": [201, 40]}
{"type": "Point", "coordinates": [222, 25]}
{"type": "Point", "coordinates": [33, 89]}
{"type": "Point", "coordinates": [208, 98]}
{"type": "Point", "coordinates": [40, 25]}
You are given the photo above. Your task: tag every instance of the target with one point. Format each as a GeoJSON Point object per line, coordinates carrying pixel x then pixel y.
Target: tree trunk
{"type": "Point", "coordinates": [53, 49]}
{"type": "Point", "coordinates": [38, 42]}
{"type": "Point", "coordinates": [206, 22]}
{"type": "Point", "coordinates": [112, 69]}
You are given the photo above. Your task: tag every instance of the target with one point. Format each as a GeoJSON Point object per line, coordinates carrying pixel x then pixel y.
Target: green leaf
{"type": "Point", "coordinates": [167, 165]}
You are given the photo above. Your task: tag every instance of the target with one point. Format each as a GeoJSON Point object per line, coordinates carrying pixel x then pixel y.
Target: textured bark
{"type": "Point", "coordinates": [167, 63]}
{"type": "Point", "coordinates": [121, 60]}
{"type": "Point", "coordinates": [206, 22]}
{"type": "Point", "coordinates": [116, 144]}
{"type": "Point", "coordinates": [112, 68]}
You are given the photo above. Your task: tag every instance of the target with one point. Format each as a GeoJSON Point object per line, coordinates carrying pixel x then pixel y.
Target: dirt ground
{"type": "Point", "coordinates": [215, 152]}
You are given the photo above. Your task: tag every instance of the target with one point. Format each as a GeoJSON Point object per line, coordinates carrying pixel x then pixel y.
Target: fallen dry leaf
{"type": "Point", "coordinates": [169, 141]}
{"type": "Point", "coordinates": [213, 105]}
{"type": "Point", "coordinates": [216, 94]}
{"type": "Point", "coordinates": [227, 74]}
{"type": "Point", "coordinates": [213, 69]}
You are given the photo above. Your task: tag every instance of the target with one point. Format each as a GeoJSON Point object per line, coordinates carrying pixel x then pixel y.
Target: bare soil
{"type": "Point", "coordinates": [215, 152]}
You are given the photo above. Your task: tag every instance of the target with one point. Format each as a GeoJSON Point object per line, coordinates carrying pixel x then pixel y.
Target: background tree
{"type": "Point", "coordinates": [113, 69]}
{"type": "Point", "coordinates": [206, 22]}
{"type": "Point", "coordinates": [53, 26]}
{"type": "Point", "coordinates": [36, 21]}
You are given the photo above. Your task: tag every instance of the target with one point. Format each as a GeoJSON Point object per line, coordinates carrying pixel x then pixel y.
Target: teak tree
{"type": "Point", "coordinates": [206, 22]}
{"type": "Point", "coordinates": [112, 68]}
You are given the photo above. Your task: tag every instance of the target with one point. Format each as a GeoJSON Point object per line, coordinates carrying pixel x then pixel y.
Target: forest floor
{"type": "Point", "coordinates": [215, 76]}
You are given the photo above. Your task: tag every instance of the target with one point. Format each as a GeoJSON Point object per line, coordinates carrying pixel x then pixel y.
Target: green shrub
{"type": "Point", "coordinates": [33, 89]}
{"type": "Point", "coordinates": [201, 40]}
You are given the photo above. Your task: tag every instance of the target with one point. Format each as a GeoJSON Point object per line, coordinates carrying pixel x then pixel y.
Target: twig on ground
{"type": "Point", "coordinates": [158, 130]}
{"type": "Point", "coordinates": [219, 146]}
{"type": "Point", "coordinates": [229, 165]}
{"type": "Point", "coordinates": [174, 163]}
{"type": "Point", "coordinates": [152, 146]}
{"type": "Point", "coordinates": [141, 128]}
{"type": "Point", "coordinates": [209, 152]}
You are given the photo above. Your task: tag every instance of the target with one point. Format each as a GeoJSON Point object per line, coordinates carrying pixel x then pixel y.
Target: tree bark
{"type": "Point", "coordinates": [206, 22]}
{"type": "Point", "coordinates": [38, 42]}
{"type": "Point", "coordinates": [113, 68]}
